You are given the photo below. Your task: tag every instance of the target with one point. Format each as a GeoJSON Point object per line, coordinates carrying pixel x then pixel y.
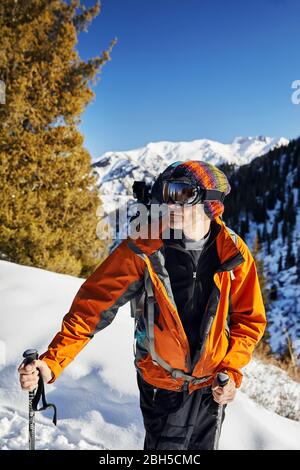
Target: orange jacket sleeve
{"type": "Point", "coordinates": [247, 317]}
{"type": "Point", "coordinates": [95, 305]}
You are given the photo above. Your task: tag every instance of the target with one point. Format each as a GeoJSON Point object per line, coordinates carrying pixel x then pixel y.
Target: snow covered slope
{"type": "Point", "coordinates": [97, 395]}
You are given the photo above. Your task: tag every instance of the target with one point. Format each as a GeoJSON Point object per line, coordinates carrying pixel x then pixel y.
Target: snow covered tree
{"type": "Point", "coordinates": [48, 194]}
{"type": "Point", "coordinates": [291, 213]}
{"type": "Point", "coordinates": [290, 258]}
{"type": "Point", "coordinates": [274, 233]}
{"type": "Point", "coordinates": [260, 267]}
{"type": "Point", "coordinates": [268, 244]}
{"type": "Point", "coordinates": [264, 232]}
{"type": "Point", "coordinates": [284, 230]}
{"type": "Point", "coordinates": [281, 212]}
{"type": "Point", "coordinates": [298, 265]}
{"type": "Point", "coordinates": [279, 264]}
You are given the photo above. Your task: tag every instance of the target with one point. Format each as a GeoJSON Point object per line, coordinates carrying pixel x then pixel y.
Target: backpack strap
{"type": "Point", "coordinates": [235, 239]}
{"type": "Point", "coordinates": [232, 276]}
{"type": "Point", "coordinates": [137, 304]}
{"type": "Point", "coordinates": [156, 359]}
{"type": "Point", "coordinates": [137, 307]}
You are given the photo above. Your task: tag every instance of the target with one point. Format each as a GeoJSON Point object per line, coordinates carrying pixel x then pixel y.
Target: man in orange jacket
{"type": "Point", "coordinates": [197, 305]}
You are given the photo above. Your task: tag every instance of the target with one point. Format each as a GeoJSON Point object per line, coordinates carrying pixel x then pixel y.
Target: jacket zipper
{"type": "Point", "coordinates": [194, 278]}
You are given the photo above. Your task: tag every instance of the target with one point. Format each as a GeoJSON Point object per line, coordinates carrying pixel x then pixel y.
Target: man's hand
{"type": "Point", "coordinates": [223, 395]}
{"type": "Point", "coordinates": [29, 375]}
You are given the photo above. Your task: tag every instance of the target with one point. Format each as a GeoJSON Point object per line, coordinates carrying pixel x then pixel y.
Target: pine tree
{"type": "Point", "coordinates": [247, 222]}
{"type": "Point", "coordinates": [279, 264]}
{"type": "Point", "coordinates": [258, 236]}
{"type": "Point", "coordinates": [273, 292]}
{"type": "Point", "coordinates": [274, 233]}
{"type": "Point", "coordinates": [48, 194]}
{"type": "Point", "coordinates": [264, 232]}
{"type": "Point", "coordinates": [260, 267]}
{"type": "Point", "coordinates": [284, 229]}
{"type": "Point", "coordinates": [290, 258]}
{"type": "Point", "coordinates": [298, 264]}
{"type": "Point", "coordinates": [243, 228]}
{"type": "Point", "coordinates": [268, 244]}
{"type": "Point", "coordinates": [281, 212]}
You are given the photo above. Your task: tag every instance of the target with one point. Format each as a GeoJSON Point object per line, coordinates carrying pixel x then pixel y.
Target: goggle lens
{"type": "Point", "coordinates": [179, 192]}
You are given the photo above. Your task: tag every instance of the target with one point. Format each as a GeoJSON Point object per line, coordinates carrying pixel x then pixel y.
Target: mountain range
{"type": "Point", "coordinates": [116, 171]}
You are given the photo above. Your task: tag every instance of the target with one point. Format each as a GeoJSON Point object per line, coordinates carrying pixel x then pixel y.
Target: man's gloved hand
{"type": "Point", "coordinates": [223, 395]}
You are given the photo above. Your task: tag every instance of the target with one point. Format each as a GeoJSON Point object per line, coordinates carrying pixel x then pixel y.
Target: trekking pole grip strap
{"type": "Point", "coordinates": [40, 393]}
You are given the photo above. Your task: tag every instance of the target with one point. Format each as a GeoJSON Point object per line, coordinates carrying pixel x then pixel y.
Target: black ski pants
{"type": "Point", "coordinates": [177, 420]}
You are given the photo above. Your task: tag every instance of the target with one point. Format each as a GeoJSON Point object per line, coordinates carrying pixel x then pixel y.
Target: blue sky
{"type": "Point", "coordinates": [192, 69]}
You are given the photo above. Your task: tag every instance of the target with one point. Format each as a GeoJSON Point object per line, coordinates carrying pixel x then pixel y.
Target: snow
{"type": "Point", "coordinates": [281, 394]}
{"type": "Point", "coordinates": [97, 395]}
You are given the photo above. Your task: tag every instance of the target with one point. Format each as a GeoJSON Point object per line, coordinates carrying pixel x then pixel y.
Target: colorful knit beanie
{"type": "Point", "coordinates": [205, 174]}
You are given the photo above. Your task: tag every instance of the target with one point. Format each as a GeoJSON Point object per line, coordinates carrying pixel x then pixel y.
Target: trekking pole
{"type": "Point", "coordinates": [34, 398]}
{"type": "Point", "coordinates": [222, 379]}
{"type": "Point", "coordinates": [29, 356]}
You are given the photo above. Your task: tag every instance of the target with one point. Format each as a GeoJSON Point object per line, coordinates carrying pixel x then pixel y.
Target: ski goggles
{"type": "Point", "coordinates": [181, 192]}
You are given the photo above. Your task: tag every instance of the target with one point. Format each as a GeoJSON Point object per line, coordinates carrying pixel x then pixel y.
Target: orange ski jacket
{"type": "Point", "coordinates": [162, 358]}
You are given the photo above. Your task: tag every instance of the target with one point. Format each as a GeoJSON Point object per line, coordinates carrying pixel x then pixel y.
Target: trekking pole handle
{"type": "Point", "coordinates": [30, 355]}
{"type": "Point", "coordinates": [222, 379]}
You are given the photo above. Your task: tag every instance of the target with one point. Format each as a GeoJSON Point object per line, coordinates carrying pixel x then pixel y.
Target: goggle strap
{"type": "Point", "coordinates": [214, 194]}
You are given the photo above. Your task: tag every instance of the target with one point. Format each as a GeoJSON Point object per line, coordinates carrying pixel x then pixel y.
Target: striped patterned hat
{"type": "Point", "coordinates": [205, 174]}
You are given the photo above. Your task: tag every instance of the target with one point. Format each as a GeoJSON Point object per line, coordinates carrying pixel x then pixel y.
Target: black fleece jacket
{"type": "Point", "coordinates": [191, 265]}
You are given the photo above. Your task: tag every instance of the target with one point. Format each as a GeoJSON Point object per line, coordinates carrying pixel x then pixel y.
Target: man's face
{"type": "Point", "coordinates": [187, 216]}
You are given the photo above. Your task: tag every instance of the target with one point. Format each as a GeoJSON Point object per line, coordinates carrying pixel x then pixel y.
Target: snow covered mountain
{"type": "Point", "coordinates": [97, 395]}
{"type": "Point", "coordinates": [118, 170]}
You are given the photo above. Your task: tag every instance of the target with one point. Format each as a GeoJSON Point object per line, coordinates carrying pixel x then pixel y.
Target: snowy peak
{"type": "Point", "coordinates": [247, 148]}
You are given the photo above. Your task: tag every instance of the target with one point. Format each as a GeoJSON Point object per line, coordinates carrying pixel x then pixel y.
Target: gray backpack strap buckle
{"type": "Point", "coordinates": [177, 373]}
